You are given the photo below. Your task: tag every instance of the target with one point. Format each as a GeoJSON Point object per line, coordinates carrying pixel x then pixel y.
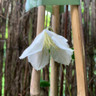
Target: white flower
{"type": "Point", "coordinates": [47, 44]}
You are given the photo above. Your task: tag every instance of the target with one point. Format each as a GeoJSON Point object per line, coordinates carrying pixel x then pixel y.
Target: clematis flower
{"type": "Point", "coordinates": [48, 44]}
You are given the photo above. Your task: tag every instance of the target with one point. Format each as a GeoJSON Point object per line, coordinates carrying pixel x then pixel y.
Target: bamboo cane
{"type": "Point", "coordinates": [35, 78]}
{"type": "Point", "coordinates": [79, 51]}
{"type": "Point", "coordinates": [54, 65]}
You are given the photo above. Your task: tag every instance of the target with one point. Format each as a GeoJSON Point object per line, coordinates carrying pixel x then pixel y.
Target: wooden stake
{"type": "Point", "coordinates": [54, 66]}
{"type": "Point", "coordinates": [35, 78]}
{"type": "Point", "coordinates": [79, 51]}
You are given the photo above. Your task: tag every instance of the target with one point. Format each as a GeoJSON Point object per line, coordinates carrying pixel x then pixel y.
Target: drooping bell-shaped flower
{"type": "Point", "coordinates": [47, 44]}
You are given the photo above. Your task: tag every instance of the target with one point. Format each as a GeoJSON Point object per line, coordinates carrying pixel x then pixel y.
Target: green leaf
{"type": "Point", "coordinates": [0, 35]}
{"type": "Point", "coordinates": [73, 57]}
{"type": "Point", "coordinates": [44, 83]}
{"type": "Point", "coordinates": [95, 72]}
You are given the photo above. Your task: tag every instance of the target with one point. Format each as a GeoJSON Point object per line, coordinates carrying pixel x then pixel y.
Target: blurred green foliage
{"type": "Point", "coordinates": [44, 83]}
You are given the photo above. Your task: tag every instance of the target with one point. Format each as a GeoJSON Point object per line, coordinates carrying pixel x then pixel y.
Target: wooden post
{"type": "Point", "coordinates": [54, 65]}
{"type": "Point", "coordinates": [79, 51]}
{"type": "Point", "coordinates": [35, 78]}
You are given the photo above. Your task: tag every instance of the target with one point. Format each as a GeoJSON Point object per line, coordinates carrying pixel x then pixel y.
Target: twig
{"type": "Point", "coordinates": [2, 16]}
{"type": "Point", "coordinates": [66, 81]}
{"type": "Point", "coordinates": [65, 35]}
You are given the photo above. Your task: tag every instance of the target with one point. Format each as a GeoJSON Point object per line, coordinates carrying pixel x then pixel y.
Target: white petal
{"type": "Point", "coordinates": [60, 43]}
{"type": "Point", "coordinates": [35, 47]}
{"type": "Point", "coordinates": [61, 56]}
{"type": "Point", "coordinates": [54, 35]}
{"type": "Point", "coordinates": [39, 60]}
{"type": "Point", "coordinates": [59, 40]}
